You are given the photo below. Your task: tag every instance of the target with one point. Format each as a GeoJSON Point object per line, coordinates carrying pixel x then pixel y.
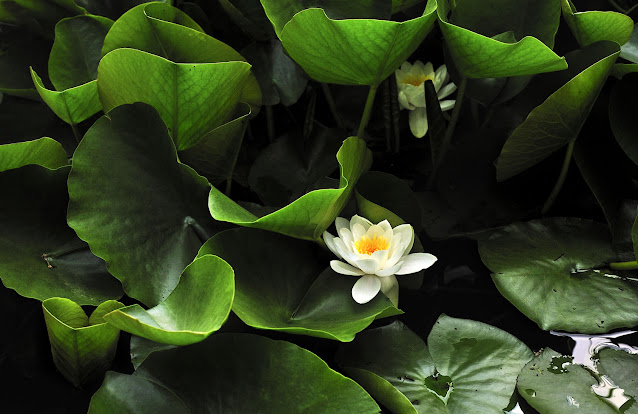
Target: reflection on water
{"type": "Point", "coordinates": [585, 353]}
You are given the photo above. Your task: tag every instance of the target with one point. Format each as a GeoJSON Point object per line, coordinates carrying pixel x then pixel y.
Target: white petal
{"type": "Point", "coordinates": [380, 256]}
{"type": "Point", "coordinates": [345, 269]}
{"type": "Point", "coordinates": [418, 67]}
{"type": "Point", "coordinates": [361, 220]}
{"type": "Point", "coordinates": [345, 235]}
{"type": "Point", "coordinates": [447, 104]}
{"type": "Point", "coordinates": [440, 77]}
{"type": "Point", "coordinates": [428, 69]}
{"type": "Point", "coordinates": [340, 223]}
{"type": "Point", "coordinates": [415, 95]}
{"type": "Point", "coordinates": [358, 231]}
{"type": "Point", "coordinates": [406, 66]}
{"type": "Point", "coordinates": [329, 240]}
{"type": "Point", "coordinates": [403, 101]}
{"type": "Point", "coordinates": [390, 288]}
{"type": "Point", "coordinates": [446, 90]}
{"type": "Point", "coordinates": [368, 265]}
{"type": "Point", "coordinates": [374, 229]}
{"type": "Point", "coordinates": [385, 225]}
{"type": "Point", "coordinates": [419, 122]}
{"type": "Point", "coordinates": [389, 271]}
{"type": "Point", "coordinates": [415, 262]}
{"type": "Point", "coordinates": [398, 251]}
{"type": "Point", "coordinates": [366, 289]}
{"type": "Point", "coordinates": [344, 253]}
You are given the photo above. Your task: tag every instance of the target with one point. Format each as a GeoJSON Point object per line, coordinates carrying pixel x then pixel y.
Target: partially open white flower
{"type": "Point", "coordinates": [376, 252]}
{"type": "Point", "coordinates": [410, 80]}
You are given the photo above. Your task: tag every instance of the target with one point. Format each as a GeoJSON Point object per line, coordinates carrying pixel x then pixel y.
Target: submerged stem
{"type": "Point", "coordinates": [561, 179]}
{"type": "Point", "coordinates": [331, 104]}
{"type": "Point", "coordinates": [624, 265]}
{"type": "Point", "coordinates": [447, 138]}
{"type": "Point", "coordinates": [367, 111]}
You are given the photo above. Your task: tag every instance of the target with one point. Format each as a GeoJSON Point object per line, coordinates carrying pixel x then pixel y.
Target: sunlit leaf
{"type": "Point", "coordinates": [45, 151]}
{"type": "Point", "coordinates": [82, 348]}
{"type": "Point", "coordinates": [192, 99]}
{"type": "Point", "coordinates": [197, 307]}
{"type": "Point", "coordinates": [281, 286]}
{"type": "Point", "coordinates": [233, 373]}
{"type": "Point", "coordinates": [593, 26]}
{"type": "Point", "coordinates": [311, 214]}
{"type": "Point", "coordinates": [135, 204]}
{"type": "Point", "coordinates": [558, 120]}
{"type": "Point", "coordinates": [553, 271]}
{"type": "Point", "coordinates": [40, 256]}
{"type": "Point", "coordinates": [335, 51]}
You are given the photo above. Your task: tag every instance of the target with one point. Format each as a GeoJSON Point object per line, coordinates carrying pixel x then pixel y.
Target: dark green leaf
{"type": "Point", "coordinates": [593, 26]}
{"type": "Point", "coordinates": [622, 119]}
{"type": "Point", "coordinates": [621, 367]}
{"type": "Point", "coordinates": [20, 50]}
{"type": "Point", "coordinates": [45, 151]}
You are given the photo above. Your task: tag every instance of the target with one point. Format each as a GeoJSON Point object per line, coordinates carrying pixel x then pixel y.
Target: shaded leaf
{"type": "Point", "coordinates": [629, 50]}
{"type": "Point", "coordinates": [45, 151]}
{"type": "Point", "coordinates": [622, 119]}
{"type": "Point", "coordinates": [135, 204]}
{"type": "Point", "coordinates": [20, 50]}
{"type": "Point", "coordinates": [621, 367]}
{"type": "Point", "coordinates": [593, 26]}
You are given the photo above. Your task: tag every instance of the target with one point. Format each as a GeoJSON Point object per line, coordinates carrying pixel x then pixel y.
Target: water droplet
{"type": "Point", "coordinates": [588, 345]}
{"type": "Point", "coordinates": [608, 391]}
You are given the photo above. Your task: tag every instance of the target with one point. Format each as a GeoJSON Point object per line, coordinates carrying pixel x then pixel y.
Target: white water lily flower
{"type": "Point", "coordinates": [410, 80]}
{"type": "Point", "coordinates": [376, 253]}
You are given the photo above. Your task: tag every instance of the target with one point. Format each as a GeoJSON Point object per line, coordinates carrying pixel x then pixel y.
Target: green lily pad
{"type": "Point", "coordinates": [72, 105]}
{"type": "Point", "coordinates": [593, 26]}
{"type": "Point", "coordinates": [311, 214]}
{"type": "Point", "coordinates": [552, 271]}
{"type": "Point", "coordinates": [250, 17]}
{"type": "Point", "coordinates": [40, 256]}
{"type": "Point", "coordinates": [479, 56]}
{"type": "Point", "coordinates": [192, 99]}
{"type": "Point", "coordinates": [621, 69]}
{"type": "Point", "coordinates": [82, 348]}
{"type": "Point", "coordinates": [621, 367]}
{"type": "Point", "coordinates": [218, 375]}
{"type": "Point", "coordinates": [215, 155]}
{"type": "Point", "coordinates": [198, 306]}
{"type": "Point", "coordinates": [76, 51]}
{"type": "Point", "coordinates": [168, 32]}
{"type": "Point", "coordinates": [334, 51]}
{"type": "Point", "coordinates": [622, 119]}
{"type": "Point", "coordinates": [629, 50]}
{"type": "Point", "coordinates": [280, 285]}
{"type": "Point", "coordinates": [45, 151]}
{"type": "Point", "coordinates": [467, 366]}
{"type": "Point", "coordinates": [39, 16]}
{"type": "Point", "coordinates": [558, 120]}
{"type": "Point", "coordinates": [551, 384]}
{"type": "Point", "coordinates": [141, 348]}
{"type": "Point", "coordinates": [135, 204]}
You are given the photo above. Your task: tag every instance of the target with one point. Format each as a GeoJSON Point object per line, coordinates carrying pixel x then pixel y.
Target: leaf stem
{"type": "Point", "coordinates": [632, 8]}
{"type": "Point", "coordinates": [624, 265]}
{"type": "Point", "coordinates": [270, 123]}
{"type": "Point", "coordinates": [620, 9]}
{"type": "Point", "coordinates": [76, 133]}
{"type": "Point", "coordinates": [331, 104]}
{"type": "Point", "coordinates": [447, 138]}
{"type": "Point", "coordinates": [367, 110]}
{"type": "Point", "coordinates": [561, 178]}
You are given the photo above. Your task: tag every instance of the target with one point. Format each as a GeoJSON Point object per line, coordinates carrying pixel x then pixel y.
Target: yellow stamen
{"type": "Point", "coordinates": [416, 79]}
{"type": "Point", "coordinates": [367, 245]}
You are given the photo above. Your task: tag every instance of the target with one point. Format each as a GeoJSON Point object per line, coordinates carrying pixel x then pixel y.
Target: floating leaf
{"type": "Point", "coordinates": [40, 256]}
{"type": "Point", "coordinates": [593, 26]}
{"type": "Point", "coordinates": [197, 307]}
{"type": "Point", "coordinates": [192, 99]}
{"type": "Point", "coordinates": [620, 366]}
{"type": "Point", "coordinates": [82, 348]}
{"type": "Point", "coordinates": [479, 56]}
{"type": "Point", "coordinates": [45, 151]}
{"type": "Point", "coordinates": [136, 205]}
{"type": "Point", "coordinates": [212, 375]}
{"type": "Point", "coordinates": [467, 366]}
{"type": "Point", "coordinates": [76, 51]}
{"type": "Point", "coordinates": [72, 105]}
{"type": "Point", "coordinates": [334, 51]}
{"type": "Point", "coordinates": [280, 286]}
{"type": "Point", "coordinates": [550, 270]}
{"type": "Point", "coordinates": [558, 120]}
{"type": "Point", "coordinates": [622, 119]}
{"type": "Point", "coordinates": [552, 384]}
{"type": "Point", "coordinates": [311, 214]}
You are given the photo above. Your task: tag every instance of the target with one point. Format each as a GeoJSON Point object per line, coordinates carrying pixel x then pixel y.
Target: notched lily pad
{"type": "Point", "coordinates": [553, 270]}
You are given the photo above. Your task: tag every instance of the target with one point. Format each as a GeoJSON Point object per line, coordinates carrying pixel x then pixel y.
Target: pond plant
{"type": "Point", "coordinates": [281, 206]}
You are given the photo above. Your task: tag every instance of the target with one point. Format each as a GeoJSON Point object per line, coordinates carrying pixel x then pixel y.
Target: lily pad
{"type": "Point", "coordinates": [629, 50]}
{"type": "Point", "coordinates": [621, 367]}
{"type": "Point", "coordinates": [335, 51]}
{"type": "Point", "coordinates": [311, 214]}
{"type": "Point", "coordinates": [72, 105]}
{"type": "Point", "coordinates": [40, 256]}
{"type": "Point", "coordinates": [551, 384]}
{"type": "Point", "coordinates": [76, 51]}
{"type": "Point", "coordinates": [593, 26]}
{"type": "Point", "coordinates": [478, 56]}
{"type": "Point", "coordinates": [45, 152]}
{"type": "Point", "coordinates": [197, 307]}
{"type": "Point", "coordinates": [39, 16]}
{"type": "Point", "coordinates": [82, 348]}
{"type": "Point", "coordinates": [136, 205]}
{"type": "Point", "coordinates": [622, 119]}
{"type": "Point", "coordinates": [192, 99]}
{"type": "Point", "coordinates": [467, 366]}
{"type": "Point", "coordinates": [552, 270]}
{"type": "Point", "coordinates": [558, 120]}
{"type": "Point", "coordinates": [281, 286]}
{"type": "Point", "coordinates": [283, 378]}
